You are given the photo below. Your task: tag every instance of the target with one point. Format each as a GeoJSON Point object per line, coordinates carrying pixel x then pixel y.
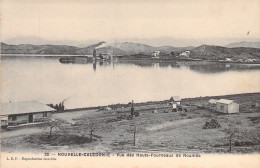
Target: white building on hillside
{"type": "Point", "coordinates": [185, 54]}
{"type": "Point", "coordinates": [227, 106]}
{"type": "Point", "coordinates": [213, 102]}
{"type": "Point", "coordinates": [228, 59]}
{"type": "Point", "coordinates": [156, 53]}
{"type": "Point", "coordinates": [175, 101]}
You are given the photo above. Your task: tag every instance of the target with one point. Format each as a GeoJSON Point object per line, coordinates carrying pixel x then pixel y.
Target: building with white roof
{"type": "Point", "coordinates": [185, 54]}
{"type": "Point", "coordinates": [175, 101]}
{"type": "Point", "coordinates": [227, 106]}
{"type": "Point", "coordinates": [155, 54]}
{"type": "Point", "coordinates": [16, 113]}
{"type": "Point", "coordinates": [213, 101]}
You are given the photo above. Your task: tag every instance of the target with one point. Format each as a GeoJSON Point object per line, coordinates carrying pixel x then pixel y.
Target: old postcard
{"type": "Point", "coordinates": [128, 83]}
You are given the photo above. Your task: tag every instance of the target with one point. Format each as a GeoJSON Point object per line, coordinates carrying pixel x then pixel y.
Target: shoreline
{"type": "Point", "coordinates": [185, 101]}
{"type": "Point", "coordinates": [137, 59]}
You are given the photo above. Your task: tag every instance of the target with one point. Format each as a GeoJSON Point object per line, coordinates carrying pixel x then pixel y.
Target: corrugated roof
{"type": "Point", "coordinates": [24, 107]}
{"type": "Point", "coordinates": [225, 101]}
{"type": "Point", "coordinates": [213, 101]}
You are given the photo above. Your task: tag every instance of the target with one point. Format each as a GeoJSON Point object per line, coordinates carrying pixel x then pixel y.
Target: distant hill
{"type": "Point", "coordinates": [89, 50]}
{"type": "Point", "coordinates": [131, 48]}
{"type": "Point", "coordinates": [37, 49]}
{"type": "Point", "coordinates": [41, 41]}
{"type": "Point", "coordinates": [244, 44]}
{"type": "Point", "coordinates": [125, 48]}
{"type": "Point", "coordinates": [134, 48]}
{"type": "Point", "coordinates": [128, 48]}
{"type": "Point", "coordinates": [218, 52]}
{"type": "Point", "coordinates": [156, 42]}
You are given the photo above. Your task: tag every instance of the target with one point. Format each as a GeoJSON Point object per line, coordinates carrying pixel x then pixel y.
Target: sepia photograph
{"type": "Point", "coordinates": [135, 83]}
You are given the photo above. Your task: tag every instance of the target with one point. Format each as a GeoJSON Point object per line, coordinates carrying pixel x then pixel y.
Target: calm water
{"type": "Point", "coordinates": [49, 81]}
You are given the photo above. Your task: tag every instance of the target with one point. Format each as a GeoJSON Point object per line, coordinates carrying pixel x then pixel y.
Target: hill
{"type": "Point", "coordinates": [37, 49]}
{"type": "Point", "coordinates": [125, 48]}
{"type": "Point", "coordinates": [218, 52]}
{"type": "Point", "coordinates": [206, 52]}
{"type": "Point", "coordinates": [89, 50]}
{"type": "Point", "coordinates": [131, 48]}
{"type": "Point", "coordinates": [244, 44]}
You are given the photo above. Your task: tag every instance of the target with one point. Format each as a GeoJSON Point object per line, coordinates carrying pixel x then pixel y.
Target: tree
{"type": "Point", "coordinates": [56, 123]}
{"type": "Point", "coordinates": [88, 126]}
{"type": "Point", "coordinates": [231, 132]}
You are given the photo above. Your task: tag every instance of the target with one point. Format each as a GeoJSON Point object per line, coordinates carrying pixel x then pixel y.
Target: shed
{"type": "Point", "coordinates": [156, 53]}
{"type": "Point", "coordinates": [227, 106]}
{"type": "Point", "coordinates": [108, 108]}
{"type": "Point", "coordinates": [25, 112]}
{"type": "Point", "coordinates": [213, 102]}
{"type": "Point", "coordinates": [228, 59]}
{"type": "Point", "coordinates": [175, 99]}
{"type": "Point", "coordinates": [155, 111]}
{"type": "Point", "coordinates": [185, 54]}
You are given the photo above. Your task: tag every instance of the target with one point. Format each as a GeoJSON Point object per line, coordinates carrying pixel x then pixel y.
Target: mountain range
{"type": "Point", "coordinates": [157, 42]}
{"type": "Point", "coordinates": [125, 48]}
{"type": "Point", "coordinates": [244, 44]}
{"type": "Point", "coordinates": [129, 48]}
{"type": "Point", "coordinates": [218, 52]}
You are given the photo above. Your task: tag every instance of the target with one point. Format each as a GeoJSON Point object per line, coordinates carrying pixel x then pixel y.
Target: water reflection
{"type": "Point", "coordinates": [218, 68]}
{"type": "Point", "coordinates": [94, 66]}
{"type": "Point", "coordinates": [206, 68]}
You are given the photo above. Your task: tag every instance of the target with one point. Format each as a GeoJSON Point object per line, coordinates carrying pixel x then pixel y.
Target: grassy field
{"type": "Point", "coordinates": [156, 131]}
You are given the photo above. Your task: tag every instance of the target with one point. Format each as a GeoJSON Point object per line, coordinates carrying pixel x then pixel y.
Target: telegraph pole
{"type": "Point", "coordinates": [91, 133]}
{"type": "Point", "coordinates": [134, 134]}
{"type": "Point", "coordinates": [132, 109]}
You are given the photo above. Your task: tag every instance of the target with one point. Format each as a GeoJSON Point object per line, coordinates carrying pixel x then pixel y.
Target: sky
{"type": "Point", "coordinates": [115, 19]}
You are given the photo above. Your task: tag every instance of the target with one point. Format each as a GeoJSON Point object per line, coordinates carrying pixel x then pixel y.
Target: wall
{"type": "Point", "coordinates": [20, 119]}
{"type": "Point", "coordinates": [233, 108]}
{"type": "Point", "coordinates": [225, 110]}
{"type": "Point", "coordinates": [24, 118]}
{"type": "Point", "coordinates": [38, 117]}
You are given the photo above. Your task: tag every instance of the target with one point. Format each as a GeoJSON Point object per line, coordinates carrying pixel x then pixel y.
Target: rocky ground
{"type": "Point", "coordinates": [156, 129]}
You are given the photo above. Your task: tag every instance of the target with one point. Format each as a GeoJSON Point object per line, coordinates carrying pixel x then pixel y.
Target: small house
{"type": "Point", "coordinates": [107, 108]}
{"type": "Point", "coordinates": [185, 54]}
{"type": "Point", "coordinates": [175, 100]}
{"type": "Point", "coordinates": [16, 113]}
{"type": "Point", "coordinates": [156, 53]}
{"type": "Point", "coordinates": [155, 111]}
{"type": "Point", "coordinates": [213, 102]}
{"type": "Point", "coordinates": [227, 106]}
{"type": "Point", "coordinates": [228, 60]}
